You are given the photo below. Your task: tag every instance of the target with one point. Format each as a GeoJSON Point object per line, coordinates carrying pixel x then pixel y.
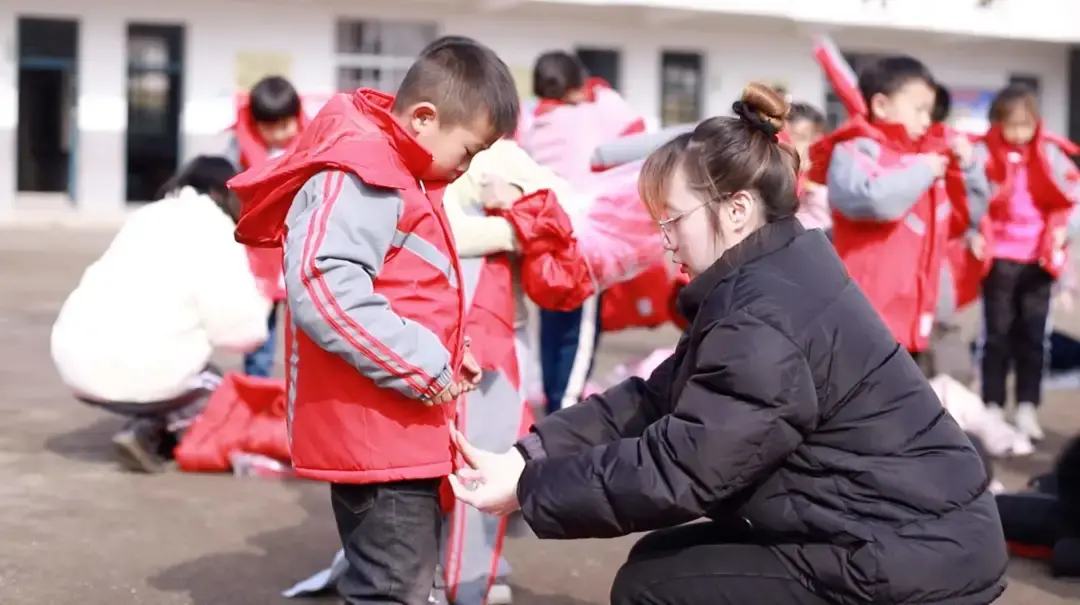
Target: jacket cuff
{"type": "Point", "coordinates": [441, 382]}
{"type": "Point", "coordinates": [531, 447]}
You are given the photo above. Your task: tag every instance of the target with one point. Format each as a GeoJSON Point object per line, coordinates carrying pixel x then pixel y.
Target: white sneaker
{"type": "Point", "coordinates": [500, 594]}
{"type": "Point", "coordinates": [1027, 421]}
{"type": "Point", "coordinates": [995, 411]}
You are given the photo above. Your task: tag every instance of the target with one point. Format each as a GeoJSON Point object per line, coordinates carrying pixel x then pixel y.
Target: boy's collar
{"type": "Point", "coordinates": [377, 106]}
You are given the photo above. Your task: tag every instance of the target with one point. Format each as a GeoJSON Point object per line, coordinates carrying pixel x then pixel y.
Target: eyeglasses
{"type": "Point", "coordinates": [666, 224]}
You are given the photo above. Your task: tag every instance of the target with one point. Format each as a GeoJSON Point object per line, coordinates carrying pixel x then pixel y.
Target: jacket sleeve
{"type": "Point", "coordinates": [475, 235]}
{"type": "Point", "coordinates": [977, 186]}
{"type": "Point", "coordinates": [340, 231]}
{"type": "Point", "coordinates": [860, 188]}
{"type": "Point", "coordinates": [232, 307]}
{"type": "Point", "coordinates": [1066, 176]}
{"type": "Point", "coordinates": [745, 408]}
{"type": "Point", "coordinates": [624, 410]}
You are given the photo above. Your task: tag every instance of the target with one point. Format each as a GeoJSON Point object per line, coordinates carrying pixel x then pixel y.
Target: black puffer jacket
{"type": "Point", "coordinates": [789, 404]}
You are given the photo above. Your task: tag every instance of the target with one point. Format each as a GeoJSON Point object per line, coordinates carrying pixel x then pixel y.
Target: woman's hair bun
{"type": "Point", "coordinates": [763, 107]}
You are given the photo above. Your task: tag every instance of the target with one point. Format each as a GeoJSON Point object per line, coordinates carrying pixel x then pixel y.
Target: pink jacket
{"type": "Point", "coordinates": [564, 137]}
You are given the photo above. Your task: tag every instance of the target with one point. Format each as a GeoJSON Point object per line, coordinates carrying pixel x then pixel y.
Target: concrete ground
{"type": "Point", "coordinates": [76, 530]}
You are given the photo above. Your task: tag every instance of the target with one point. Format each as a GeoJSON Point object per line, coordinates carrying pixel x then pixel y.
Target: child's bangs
{"type": "Point", "coordinates": [654, 183]}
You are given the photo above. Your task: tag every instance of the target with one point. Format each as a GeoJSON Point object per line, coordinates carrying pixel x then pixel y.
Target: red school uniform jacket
{"type": "Point", "coordinates": [890, 222]}
{"type": "Point", "coordinates": [1052, 177]}
{"type": "Point", "coordinates": [376, 307]}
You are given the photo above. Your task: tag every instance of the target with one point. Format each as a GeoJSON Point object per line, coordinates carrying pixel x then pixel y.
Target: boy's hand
{"type": "Point", "coordinates": [497, 194]}
{"type": "Point", "coordinates": [470, 372]}
{"type": "Point", "coordinates": [447, 395]}
{"type": "Point", "coordinates": [937, 163]}
{"type": "Point", "coordinates": [963, 149]}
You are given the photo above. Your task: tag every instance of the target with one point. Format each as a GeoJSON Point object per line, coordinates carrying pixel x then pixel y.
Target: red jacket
{"type": "Point", "coordinates": [896, 263]}
{"type": "Point", "coordinates": [1053, 186]}
{"type": "Point", "coordinates": [345, 428]}
{"type": "Point", "coordinates": [265, 264]}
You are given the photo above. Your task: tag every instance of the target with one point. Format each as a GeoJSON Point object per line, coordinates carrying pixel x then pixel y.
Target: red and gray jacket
{"type": "Point", "coordinates": [376, 306]}
{"type": "Point", "coordinates": [892, 220]}
{"type": "Point", "coordinates": [1052, 177]}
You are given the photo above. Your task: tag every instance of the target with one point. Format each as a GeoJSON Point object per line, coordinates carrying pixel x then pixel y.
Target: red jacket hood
{"type": "Point", "coordinates": [888, 135]}
{"type": "Point", "coordinates": [253, 149]}
{"type": "Point", "coordinates": [354, 132]}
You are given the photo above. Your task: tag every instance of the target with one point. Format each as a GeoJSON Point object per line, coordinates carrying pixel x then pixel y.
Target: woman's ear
{"type": "Point", "coordinates": [741, 208]}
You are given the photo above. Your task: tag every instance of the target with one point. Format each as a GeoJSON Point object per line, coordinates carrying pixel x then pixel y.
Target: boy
{"type": "Point", "coordinates": [376, 305]}
{"type": "Point", "coordinates": [888, 196]}
{"type": "Point", "coordinates": [266, 123]}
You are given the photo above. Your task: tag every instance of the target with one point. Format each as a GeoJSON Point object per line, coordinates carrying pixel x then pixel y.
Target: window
{"type": "Point", "coordinates": [603, 63]}
{"type": "Point", "coordinates": [376, 54]}
{"type": "Point", "coordinates": [681, 88]}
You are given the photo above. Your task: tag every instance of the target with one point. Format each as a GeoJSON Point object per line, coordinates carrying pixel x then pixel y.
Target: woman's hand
{"type": "Point", "coordinates": [490, 481]}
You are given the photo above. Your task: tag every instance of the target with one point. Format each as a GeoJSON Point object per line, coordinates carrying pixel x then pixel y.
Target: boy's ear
{"type": "Point", "coordinates": [879, 106]}
{"type": "Point", "coordinates": [423, 116]}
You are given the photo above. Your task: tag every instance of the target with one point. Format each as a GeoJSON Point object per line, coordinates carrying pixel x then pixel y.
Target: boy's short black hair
{"type": "Point", "coordinates": [942, 104]}
{"type": "Point", "coordinates": [888, 75]}
{"type": "Point", "coordinates": [466, 81]}
{"type": "Point", "coordinates": [801, 110]}
{"type": "Point", "coordinates": [274, 99]}
{"type": "Point", "coordinates": [556, 73]}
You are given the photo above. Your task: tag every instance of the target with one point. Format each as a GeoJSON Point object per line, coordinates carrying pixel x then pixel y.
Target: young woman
{"type": "Point", "coordinates": [135, 337]}
{"type": "Point", "coordinates": [788, 417]}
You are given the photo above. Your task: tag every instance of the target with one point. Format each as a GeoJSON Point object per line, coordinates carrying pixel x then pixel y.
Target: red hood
{"type": "Point", "coordinates": [840, 75]}
{"type": "Point", "coordinates": [253, 149]}
{"type": "Point", "coordinates": [354, 132]}
{"type": "Point", "coordinates": [889, 135]}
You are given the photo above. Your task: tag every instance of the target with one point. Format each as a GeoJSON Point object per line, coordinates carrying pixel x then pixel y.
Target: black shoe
{"type": "Point", "coordinates": [138, 446]}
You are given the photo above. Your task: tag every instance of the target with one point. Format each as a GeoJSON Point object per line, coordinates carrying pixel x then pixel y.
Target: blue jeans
{"type": "Point", "coordinates": [568, 342]}
{"type": "Point", "coordinates": [260, 362]}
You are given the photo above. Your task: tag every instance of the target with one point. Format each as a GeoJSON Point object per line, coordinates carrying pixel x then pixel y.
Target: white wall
{"type": "Point", "coordinates": [737, 50]}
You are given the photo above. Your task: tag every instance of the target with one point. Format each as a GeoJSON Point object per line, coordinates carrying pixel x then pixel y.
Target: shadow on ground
{"type": "Point", "coordinates": [275, 560]}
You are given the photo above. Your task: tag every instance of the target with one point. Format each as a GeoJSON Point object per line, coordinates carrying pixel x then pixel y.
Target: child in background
{"type": "Point", "coordinates": [265, 125]}
{"type": "Point", "coordinates": [890, 210]}
{"type": "Point", "coordinates": [136, 335]}
{"type": "Point", "coordinates": [805, 126]}
{"type": "Point", "coordinates": [575, 114]}
{"type": "Point", "coordinates": [1030, 214]}
{"type": "Point", "coordinates": [376, 302]}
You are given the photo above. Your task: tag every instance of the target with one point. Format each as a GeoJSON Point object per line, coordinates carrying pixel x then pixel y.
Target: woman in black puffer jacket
{"type": "Point", "coordinates": [788, 417]}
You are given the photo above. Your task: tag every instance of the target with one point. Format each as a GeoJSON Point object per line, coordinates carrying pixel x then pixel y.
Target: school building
{"type": "Point", "coordinates": [100, 101]}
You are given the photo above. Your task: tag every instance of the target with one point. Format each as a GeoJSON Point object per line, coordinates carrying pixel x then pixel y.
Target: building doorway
{"type": "Point", "coordinates": [47, 127]}
{"type": "Point", "coordinates": [155, 58]}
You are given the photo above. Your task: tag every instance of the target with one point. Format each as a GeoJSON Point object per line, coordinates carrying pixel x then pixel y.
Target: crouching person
{"type": "Point", "coordinates": [136, 336]}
